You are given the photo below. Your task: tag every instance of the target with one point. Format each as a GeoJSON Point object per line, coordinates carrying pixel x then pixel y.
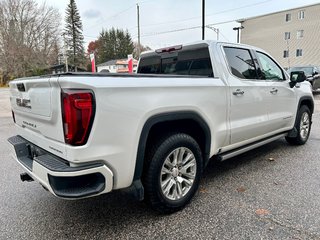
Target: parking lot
{"type": "Point", "coordinates": [269, 193]}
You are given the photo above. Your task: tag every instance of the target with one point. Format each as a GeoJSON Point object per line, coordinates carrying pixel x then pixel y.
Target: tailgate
{"type": "Point", "coordinates": [37, 108]}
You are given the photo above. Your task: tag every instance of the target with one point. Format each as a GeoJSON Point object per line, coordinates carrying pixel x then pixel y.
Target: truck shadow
{"type": "Point", "coordinates": [108, 215]}
{"type": "Point", "coordinates": [257, 158]}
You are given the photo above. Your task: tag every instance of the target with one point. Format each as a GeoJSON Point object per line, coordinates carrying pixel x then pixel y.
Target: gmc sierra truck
{"type": "Point", "coordinates": [82, 135]}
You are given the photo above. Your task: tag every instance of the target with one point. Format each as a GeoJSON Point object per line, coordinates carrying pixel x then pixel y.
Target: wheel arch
{"type": "Point", "coordinates": [308, 101]}
{"type": "Point", "coordinates": [170, 120]}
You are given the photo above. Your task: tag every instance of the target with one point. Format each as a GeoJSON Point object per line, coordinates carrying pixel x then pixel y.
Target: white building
{"type": "Point", "coordinates": [116, 66]}
{"type": "Point", "coordinates": [291, 36]}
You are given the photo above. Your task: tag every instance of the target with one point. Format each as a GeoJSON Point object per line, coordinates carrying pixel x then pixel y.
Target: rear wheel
{"type": "Point", "coordinates": [303, 126]}
{"type": "Point", "coordinates": [173, 172]}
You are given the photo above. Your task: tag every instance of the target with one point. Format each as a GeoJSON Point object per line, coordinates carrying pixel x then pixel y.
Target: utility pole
{"type": "Point", "coordinates": [203, 19]}
{"type": "Point", "coordinates": [138, 20]}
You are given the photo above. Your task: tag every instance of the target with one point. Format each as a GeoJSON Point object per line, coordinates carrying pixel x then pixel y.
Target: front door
{"type": "Point", "coordinates": [281, 98]}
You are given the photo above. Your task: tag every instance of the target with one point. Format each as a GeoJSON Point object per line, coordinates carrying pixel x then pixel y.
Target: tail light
{"type": "Point", "coordinates": [78, 110]}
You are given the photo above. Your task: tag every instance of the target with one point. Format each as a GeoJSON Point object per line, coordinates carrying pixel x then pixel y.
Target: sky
{"type": "Point", "coordinates": [170, 22]}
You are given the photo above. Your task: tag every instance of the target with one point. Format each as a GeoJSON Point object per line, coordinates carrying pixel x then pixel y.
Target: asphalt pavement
{"type": "Point", "coordinates": [272, 192]}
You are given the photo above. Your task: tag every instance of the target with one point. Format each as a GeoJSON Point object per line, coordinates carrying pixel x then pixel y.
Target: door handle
{"type": "Point", "coordinates": [238, 92]}
{"type": "Point", "coordinates": [274, 91]}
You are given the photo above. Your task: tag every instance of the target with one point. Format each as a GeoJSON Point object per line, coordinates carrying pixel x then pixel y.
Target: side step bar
{"type": "Point", "coordinates": [238, 151]}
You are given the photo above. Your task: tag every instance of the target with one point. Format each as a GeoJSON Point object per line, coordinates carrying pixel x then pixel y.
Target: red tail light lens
{"type": "Point", "coordinates": [78, 109]}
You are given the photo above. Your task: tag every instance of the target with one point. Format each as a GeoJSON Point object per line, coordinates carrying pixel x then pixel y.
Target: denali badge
{"type": "Point", "coordinates": [23, 103]}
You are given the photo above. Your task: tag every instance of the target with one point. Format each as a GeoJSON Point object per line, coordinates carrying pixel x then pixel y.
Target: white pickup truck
{"type": "Point", "coordinates": [82, 135]}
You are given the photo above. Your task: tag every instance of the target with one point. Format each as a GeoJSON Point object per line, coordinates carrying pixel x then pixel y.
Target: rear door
{"type": "Point", "coordinates": [248, 105]}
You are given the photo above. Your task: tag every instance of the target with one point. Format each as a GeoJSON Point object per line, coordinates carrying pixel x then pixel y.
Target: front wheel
{"type": "Point", "coordinates": [173, 173]}
{"type": "Point", "coordinates": [303, 126]}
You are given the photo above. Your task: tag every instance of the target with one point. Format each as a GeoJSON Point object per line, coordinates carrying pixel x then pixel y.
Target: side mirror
{"type": "Point", "coordinates": [297, 76]}
{"type": "Point", "coordinates": [315, 73]}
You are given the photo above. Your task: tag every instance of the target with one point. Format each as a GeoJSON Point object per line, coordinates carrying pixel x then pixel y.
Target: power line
{"type": "Point", "coordinates": [89, 37]}
{"type": "Point", "coordinates": [208, 15]}
{"type": "Point", "coordinates": [146, 1]}
{"type": "Point", "coordinates": [111, 17]}
{"type": "Point", "coordinates": [119, 13]}
{"type": "Point", "coordinates": [183, 20]}
{"type": "Point", "coordinates": [180, 30]}
{"type": "Point", "coordinates": [171, 31]}
{"type": "Point", "coordinates": [220, 23]}
{"type": "Point", "coordinates": [189, 28]}
{"type": "Point", "coordinates": [176, 30]}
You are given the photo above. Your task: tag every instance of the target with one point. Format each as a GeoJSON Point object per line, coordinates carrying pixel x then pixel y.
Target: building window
{"type": "Point", "coordinates": [286, 53]}
{"type": "Point", "coordinates": [301, 14]}
{"type": "Point", "coordinates": [286, 35]}
{"type": "Point", "coordinates": [288, 17]}
{"type": "Point", "coordinates": [299, 53]}
{"type": "Point", "coordinates": [299, 34]}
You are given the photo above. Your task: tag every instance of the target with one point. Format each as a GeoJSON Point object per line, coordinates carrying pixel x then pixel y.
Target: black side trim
{"type": "Point", "coordinates": [164, 117]}
{"type": "Point", "coordinates": [219, 156]}
{"type": "Point", "coordinates": [306, 98]}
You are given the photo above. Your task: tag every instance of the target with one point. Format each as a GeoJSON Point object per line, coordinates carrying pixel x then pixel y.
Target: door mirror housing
{"type": "Point", "coordinates": [296, 77]}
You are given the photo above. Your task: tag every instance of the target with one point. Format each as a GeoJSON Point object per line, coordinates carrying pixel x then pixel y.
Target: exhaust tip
{"type": "Point", "coordinates": [25, 177]}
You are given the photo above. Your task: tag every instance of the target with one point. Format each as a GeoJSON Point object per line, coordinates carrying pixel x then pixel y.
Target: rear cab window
{"type": "Point", "coordinates": [241, 63]}
{"type": "Point", "coordinates": [190, 60]}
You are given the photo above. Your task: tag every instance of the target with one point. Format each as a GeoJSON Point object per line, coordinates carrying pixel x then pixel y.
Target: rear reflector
{"type": "Point", "coordinates": [78, 109]}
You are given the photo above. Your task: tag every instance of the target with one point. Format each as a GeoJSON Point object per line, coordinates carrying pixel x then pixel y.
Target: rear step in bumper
{"type": "Point", "coordinates": [57, 175]}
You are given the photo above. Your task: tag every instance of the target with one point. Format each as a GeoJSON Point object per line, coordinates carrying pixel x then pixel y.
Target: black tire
{"type": "Point", "coordinates": [303, 126]}
{"type": "Point", "coordinates": [163, 151]}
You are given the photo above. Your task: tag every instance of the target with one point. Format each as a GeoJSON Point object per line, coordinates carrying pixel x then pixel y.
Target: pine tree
{"type": "Point", "coordinates": [114, 44]}
{"type": "Point", "coordinates": [73, 34]}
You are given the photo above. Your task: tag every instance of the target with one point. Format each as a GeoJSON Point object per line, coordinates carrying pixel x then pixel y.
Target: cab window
{"type": "Point", "coordinates": [195, 61]}
{"type": "Point", "coordinates": [241, 63]}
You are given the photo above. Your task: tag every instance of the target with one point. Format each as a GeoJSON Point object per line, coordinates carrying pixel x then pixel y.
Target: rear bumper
{"type": "Point", "coordinates": [56, 174]}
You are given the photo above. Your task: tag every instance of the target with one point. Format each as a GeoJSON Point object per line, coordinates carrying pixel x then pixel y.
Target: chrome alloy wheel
{"type": "Point", "coordinates": [304, 125]}
{"type": "Point", "coordinates": [178, 173]}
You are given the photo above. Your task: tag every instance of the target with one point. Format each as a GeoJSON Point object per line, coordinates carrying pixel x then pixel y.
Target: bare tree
{"type": "Point", "coordinates": [29, 35]}
{"type": "Point", "coordinates": [137, 50]}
